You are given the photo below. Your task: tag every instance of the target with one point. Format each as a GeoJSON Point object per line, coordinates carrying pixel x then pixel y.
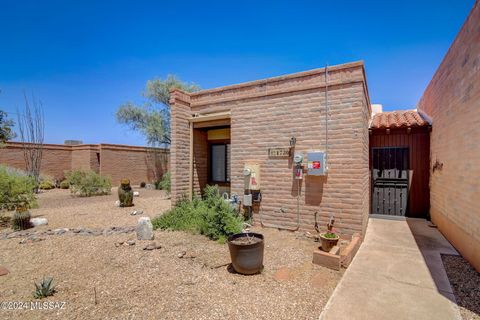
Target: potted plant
{"type": "Point", "coordinates": [246, 252]}
{"type": "Point", "coordinates": [329, 239]}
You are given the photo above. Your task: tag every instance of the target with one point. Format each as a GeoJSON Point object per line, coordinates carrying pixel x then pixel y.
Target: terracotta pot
{"type": "Point", "coordinates": [328, 243]}
{"type": "Point", "coordinates": [247, 258]}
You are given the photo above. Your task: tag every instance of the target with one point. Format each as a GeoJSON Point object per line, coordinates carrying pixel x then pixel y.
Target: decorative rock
{"type": "Point", "coordinates": [144, 229]}
{"type": "Point", "coordinates": [130, 242]}
{"type": "Point", "coordinates": [38, 222]}
{"type": "Point", "coordinates": [136, 212]}
{"type": "Point", "coordinates": [152, 246]}
{"type": "Point", "coordinates": [117, 203]}
{"type": "Point", "coordinates": [3, 271]}
{"type": "Point", "coordinates": [150, 186]}
{"type": "Point", "coordinates": [182, 254]}
{"type": "Point", "coordinates": [60, 231]}
{"type": "Point", "coordinates": [136, 193]}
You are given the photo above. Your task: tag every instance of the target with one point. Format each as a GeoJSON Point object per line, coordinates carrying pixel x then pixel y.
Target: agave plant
{"type": "Point", "coordinates": [44, 289]}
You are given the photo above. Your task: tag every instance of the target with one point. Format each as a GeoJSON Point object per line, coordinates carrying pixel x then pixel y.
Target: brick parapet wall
{"type": "Point", "coordinates": [266, 114]}
{"type": "Point", "coordinates": [452, 101]}
{"type": "Point", "coordinates": [116, 161]}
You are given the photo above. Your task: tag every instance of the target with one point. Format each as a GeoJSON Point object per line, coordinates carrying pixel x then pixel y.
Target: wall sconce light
{"type": "Point", "coordinates": [293, 141]}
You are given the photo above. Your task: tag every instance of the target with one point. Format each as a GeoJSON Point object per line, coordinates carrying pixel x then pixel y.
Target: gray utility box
{"type": "Point", "coordinates": [316, 163]}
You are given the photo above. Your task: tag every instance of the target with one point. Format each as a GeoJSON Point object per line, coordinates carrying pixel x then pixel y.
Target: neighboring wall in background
{"type": "Point", "coordinates": [116, 161]}
{"type": "Point", "coordinates": [452, 100]}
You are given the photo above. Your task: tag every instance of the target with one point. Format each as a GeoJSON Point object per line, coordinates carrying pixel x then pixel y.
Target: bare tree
{"type": "Point", "coordinates": [31, 129]}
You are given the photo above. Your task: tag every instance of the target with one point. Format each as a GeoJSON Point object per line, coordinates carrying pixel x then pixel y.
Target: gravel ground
{"type": "Point", "coordinates": [465, 282]}
{"type": "Point", "coordinates": [64, 211]}
{"type": "Point", "coordinates": [188, 278]}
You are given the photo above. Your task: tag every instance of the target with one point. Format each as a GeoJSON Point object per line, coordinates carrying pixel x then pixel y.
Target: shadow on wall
{"type": "Point", "coordinates": [157, 164]}
{"type": "Point", "coordinates": [314, 189]}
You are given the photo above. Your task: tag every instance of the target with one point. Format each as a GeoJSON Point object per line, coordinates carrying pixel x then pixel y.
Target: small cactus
{"type": "Point", "coordinates": [21, 219]}
{"type": "Point", "coordinates": [64, 184]}
{"type": "Point", "coordinates": [44, 289]}
{"type": "Point", "coordinates": [125, 193]}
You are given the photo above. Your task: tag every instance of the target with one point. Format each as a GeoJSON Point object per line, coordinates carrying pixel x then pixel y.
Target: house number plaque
{"type": "Point", "coordinates": [278, 152]}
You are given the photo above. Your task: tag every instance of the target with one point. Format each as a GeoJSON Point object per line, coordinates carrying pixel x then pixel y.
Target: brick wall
{"type": "Point", "coordinates": [180, 150]}
{"type": "Point", "coordinates": [116, 161]}
{"type": "Point", "coordinates": [56, 158]}
{"type": "Point", "coordinates": [200, 160]}
{"type": "Point", "coordinates": [266, 114]}
{"type": "Point", "coordinates": [452, 100]}
{"type": "Point", "coordinates": [130, 162]}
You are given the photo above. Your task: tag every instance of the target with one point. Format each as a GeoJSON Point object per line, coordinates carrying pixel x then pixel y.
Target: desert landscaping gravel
{"type": "Point", "coordinates": [176, 276]}
{"type": "Point", "coordinates": [465, 282]}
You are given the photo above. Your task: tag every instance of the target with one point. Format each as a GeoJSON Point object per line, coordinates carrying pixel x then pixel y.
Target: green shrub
{"type": "Point", "coordinates": [16, 189]}
{"type": "Point", "coordinates": [164, 183]}
{"type": "Point", "coordinates": [88, 183]}
{"type": "Point", "coordinates": [64, 184]}
{"type": "Point", "coordinates": [212, 217]}
{"type": "Point", "coordinates": [46, 185]}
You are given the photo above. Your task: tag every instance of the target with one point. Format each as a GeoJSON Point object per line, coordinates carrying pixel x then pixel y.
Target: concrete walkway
{"type": "Point", "coordinates": [397, 274]}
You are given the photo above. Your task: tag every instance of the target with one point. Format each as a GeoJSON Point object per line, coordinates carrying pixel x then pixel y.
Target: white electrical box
{"type": "Point", "coordinates": [247, 200]}
{"type": "Point", "coordinates": [316, 163]}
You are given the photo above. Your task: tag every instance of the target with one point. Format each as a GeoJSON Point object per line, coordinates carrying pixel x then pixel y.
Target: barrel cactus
{"type": "Point", "coordinates": [125, 193]}
{"type": "Point", "coordinates": [21, 219]}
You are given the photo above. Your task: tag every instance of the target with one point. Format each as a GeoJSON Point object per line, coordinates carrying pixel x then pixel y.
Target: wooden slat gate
{"type": "Point", "coordinates": [390, 180]}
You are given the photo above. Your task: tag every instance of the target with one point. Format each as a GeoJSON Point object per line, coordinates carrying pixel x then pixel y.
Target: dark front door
{"type": "Point", "coordinates": [390, 181]}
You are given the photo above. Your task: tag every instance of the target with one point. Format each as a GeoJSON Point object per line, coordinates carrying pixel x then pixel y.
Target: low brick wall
{"type": "Point", "coordinates": [116, 161]}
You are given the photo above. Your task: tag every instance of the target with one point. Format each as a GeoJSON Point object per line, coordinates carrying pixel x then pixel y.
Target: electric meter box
{"type": "Point", "coordinates": [251, 175]}
{"type": "Point", "coordinates": [316, 163]}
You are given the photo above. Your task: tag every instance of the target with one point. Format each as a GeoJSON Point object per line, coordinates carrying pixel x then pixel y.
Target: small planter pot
{"type": "Point", "coordinates": [246, 252]}
{"type": "Point", "coordinates": [328, 243]}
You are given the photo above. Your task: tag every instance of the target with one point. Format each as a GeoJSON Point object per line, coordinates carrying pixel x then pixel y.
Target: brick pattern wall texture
{"type": "Point", "coordinates": [200, 160]}
{"type": "Point", "coordinates": [116, 161]}
{"type": "Point", "coordinates": [180, 150]}
{"type": "Point", "coordinates": [452, 100]}
{"type": "Point", "coordinates": [266, 114]}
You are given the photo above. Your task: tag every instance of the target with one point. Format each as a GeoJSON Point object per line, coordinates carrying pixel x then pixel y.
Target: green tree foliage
{"type": "Point", "coordinates": [6, 132]}
{"type": "Point", "coordinates": [152, 119]}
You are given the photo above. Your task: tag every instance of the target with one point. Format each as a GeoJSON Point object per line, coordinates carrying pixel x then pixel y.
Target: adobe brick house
{"type": "Point", "coordinates": [216, 132]}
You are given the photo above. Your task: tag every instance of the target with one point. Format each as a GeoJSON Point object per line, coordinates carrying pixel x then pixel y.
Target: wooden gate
{"type": "Point", "coordinates": [390, 180]}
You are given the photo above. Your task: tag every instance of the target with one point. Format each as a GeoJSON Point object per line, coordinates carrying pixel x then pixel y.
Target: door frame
{"type": "Point", "coordinates": [372, 149]}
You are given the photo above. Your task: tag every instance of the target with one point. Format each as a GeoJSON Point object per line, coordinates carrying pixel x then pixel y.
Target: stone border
{"type": "Point", "coordinates": [61, 231]}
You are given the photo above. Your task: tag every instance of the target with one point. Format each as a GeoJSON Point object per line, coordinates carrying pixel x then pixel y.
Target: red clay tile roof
{"type": "Point", "coordinates": [397, 119]}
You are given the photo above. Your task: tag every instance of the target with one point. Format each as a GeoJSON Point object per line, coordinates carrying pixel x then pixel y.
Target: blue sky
{"type": "Point", "coordinates": [84, 58]}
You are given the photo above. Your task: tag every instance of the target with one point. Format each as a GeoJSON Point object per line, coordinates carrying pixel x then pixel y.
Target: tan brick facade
{"type": "Point", "coordinates": [266, 114]}
{"type": "Point", "coordinates": [116, 161]}
{"type": "Point", "coordinates": [452, 100]}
